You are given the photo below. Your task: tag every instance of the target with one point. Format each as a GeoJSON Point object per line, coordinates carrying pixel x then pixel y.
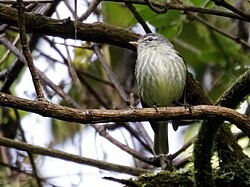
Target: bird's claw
{"type": "Point", "coordinates": [189, 106]}
{"type": "Point", "coordinates": [131, 102]}
{"type": "Point", "coordinates": [155, 107]}
{"type": "Point", "coordinates": [186, 105]}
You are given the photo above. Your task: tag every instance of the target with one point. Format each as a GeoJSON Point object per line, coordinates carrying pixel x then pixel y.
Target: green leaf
{"type": "Point", "coordinates": [116, 14]}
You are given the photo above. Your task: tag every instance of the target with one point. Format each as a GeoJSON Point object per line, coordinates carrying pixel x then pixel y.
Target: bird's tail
{"type": "Point", "coordinates": [161, 138]}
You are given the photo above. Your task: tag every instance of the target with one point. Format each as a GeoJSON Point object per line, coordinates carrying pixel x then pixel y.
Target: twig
{"type": "Point", "coordinates": [110, 73]}
{"type": "Point", "coordinates": [3, 74]}
{"type": "Point", "coordinates": [138, 137]}
{"type": "Point", "coordinates": [82, 72]}
{"type": "Point", "coordinates": [20, 56]}
{"type": "Point", "coordinates": [123, 147]}
{"type": "Point", "coordinates": [231, 7]}
{"type": "Point", "coordinates": [141, 129]}
{"type": "Point", "coordinates": [58, 90]}
{"type": "Point", "coordinates": [72, 71]}
{"type": "Point", "coordinates": [181, 163]}
{"type": "Point", "coordinates": [52, 44]}
{"type": "Point", "coordinates": [10, 77]}
{"type": "Point", "coordinates": [238, 40]}
{"type": "Point", "coordinates": [70, 157]}
{"type": "Point", "coordinates": [8, 51]}
{"type": "Point", "coordinates": [26, 50]}
{"type": "Point", "coordinates": [186, 8]}
{"type": "Point", "coordinates": [26, 1]}
{"type": "Point", "coordinates": [127, 182]}
{"type": "Point", "coordinates": [91, 8]}
{"type": "Point", "coordinates": [138, 17]}
{"type": "Point", "coordinates": [182, 149]}
{"type": "Point", "coordinates": [67, 4]}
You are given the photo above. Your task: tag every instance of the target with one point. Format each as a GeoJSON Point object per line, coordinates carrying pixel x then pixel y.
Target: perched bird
{"type": "Point", "coordinates": [160, 74]}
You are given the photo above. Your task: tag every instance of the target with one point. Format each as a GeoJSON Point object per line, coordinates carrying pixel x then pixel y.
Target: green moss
{"type": "Point", "coordinates": [234, 174]}
{"type": "Point", "coordinates": [167, 178]}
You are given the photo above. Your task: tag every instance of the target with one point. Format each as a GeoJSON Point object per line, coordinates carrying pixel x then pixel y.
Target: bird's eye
{"type": "Point", "coordinates": [150, 39]}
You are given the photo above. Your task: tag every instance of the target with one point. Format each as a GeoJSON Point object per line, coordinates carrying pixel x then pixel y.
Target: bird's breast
{"type": "Point", "coordinates": [160, 76]}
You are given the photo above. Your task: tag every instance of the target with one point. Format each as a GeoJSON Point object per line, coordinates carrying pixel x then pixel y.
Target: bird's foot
{"type": "Point", "coordinates": [186, 105]}
{"type": "Point", "coordinates": [189, 106]}
{"type": "Point", "coordinates": [155, 107]}
{"type": "Point", "coordinates": [131, 102]}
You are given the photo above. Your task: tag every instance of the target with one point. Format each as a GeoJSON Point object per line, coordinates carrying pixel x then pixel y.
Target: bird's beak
{"type": "Point", "coordinates": [134, 43]}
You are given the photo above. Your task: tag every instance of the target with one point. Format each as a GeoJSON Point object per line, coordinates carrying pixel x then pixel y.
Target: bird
{"type": "Point", "coordinates": [160, 74]}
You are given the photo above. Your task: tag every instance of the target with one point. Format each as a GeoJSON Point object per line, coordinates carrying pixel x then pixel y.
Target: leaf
{"type": "Point", "coordinates": [116, 14]}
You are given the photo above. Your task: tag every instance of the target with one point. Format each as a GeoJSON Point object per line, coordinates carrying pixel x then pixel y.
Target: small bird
{"type": "Point", "coordinates": [160, 74]}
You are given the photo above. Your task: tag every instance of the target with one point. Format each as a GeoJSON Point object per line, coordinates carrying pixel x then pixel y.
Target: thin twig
{"type": "Point", "coordinates": [26, 50]}
{"type": "Point", "coordinates": [110, 73]}
{"type": "Point", "coordinates": [209, 25]}
{"type": "Point", "coordinates": [141, 129]}
{"type": "Point", "coordinates": [26, 1]}
{"type": "Point", "coordinates": [58, 90]}
{"type": "Point", "coordinates": [138, 137]}
{"type": "Point", "coordinates": [67, 4]}
{"type": "Point", "coordinates": [6, 54]}
{"type": "Point", "coordinates": [138, 17]}
{"type": "Point", "coordinates": [72, 71]}
{"type": "Point", "coordinates": [52, 44]}
{"type": "Point", "coordinates": [186, 8]}
{"type": "Point", "coordinates": [91, 8]}
{"type": "Point", "coordinates": [231, 7]}
{"type": "Point", "coordinates": [182, 149]}
{"type": "Point", "coordinates": [123, 147]}
{"type": "Point", "coordinates": [53, 86]}
{"type": "Point", "coordinates": [181, 163]}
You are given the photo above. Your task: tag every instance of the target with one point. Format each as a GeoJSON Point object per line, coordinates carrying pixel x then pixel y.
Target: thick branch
{"type": "Point", "coordinates": [203, 147]}
{"type": "Point", "coordinates": [96, 32]}
{"type": "Point", "coordinates": [98, 116]}
{"type": "Point", "coordinates": [236, 92]}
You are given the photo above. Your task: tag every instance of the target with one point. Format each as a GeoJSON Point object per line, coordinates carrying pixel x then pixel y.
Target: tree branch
{"type": "Point", "coordinates": [70, 157]}
{"type": "Point", "coordinates": [110, 74]}
{"type": "Point", "coordinates": [169, 6]}
{"type": "Point", "coordinates": [26, 50]}
{"type": "Point", "coordinates": [96, 32]}
{"type": "Point", "coordinates": [221, 31]}
{"type": "Point", "coordinates": [99, 116]}
{"type": "Point", "coordinates": [231, 7]}
{"type": "Point", "coordinates": [236, 92]}
{"type": "Point", "coordinates": [208, 131]}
